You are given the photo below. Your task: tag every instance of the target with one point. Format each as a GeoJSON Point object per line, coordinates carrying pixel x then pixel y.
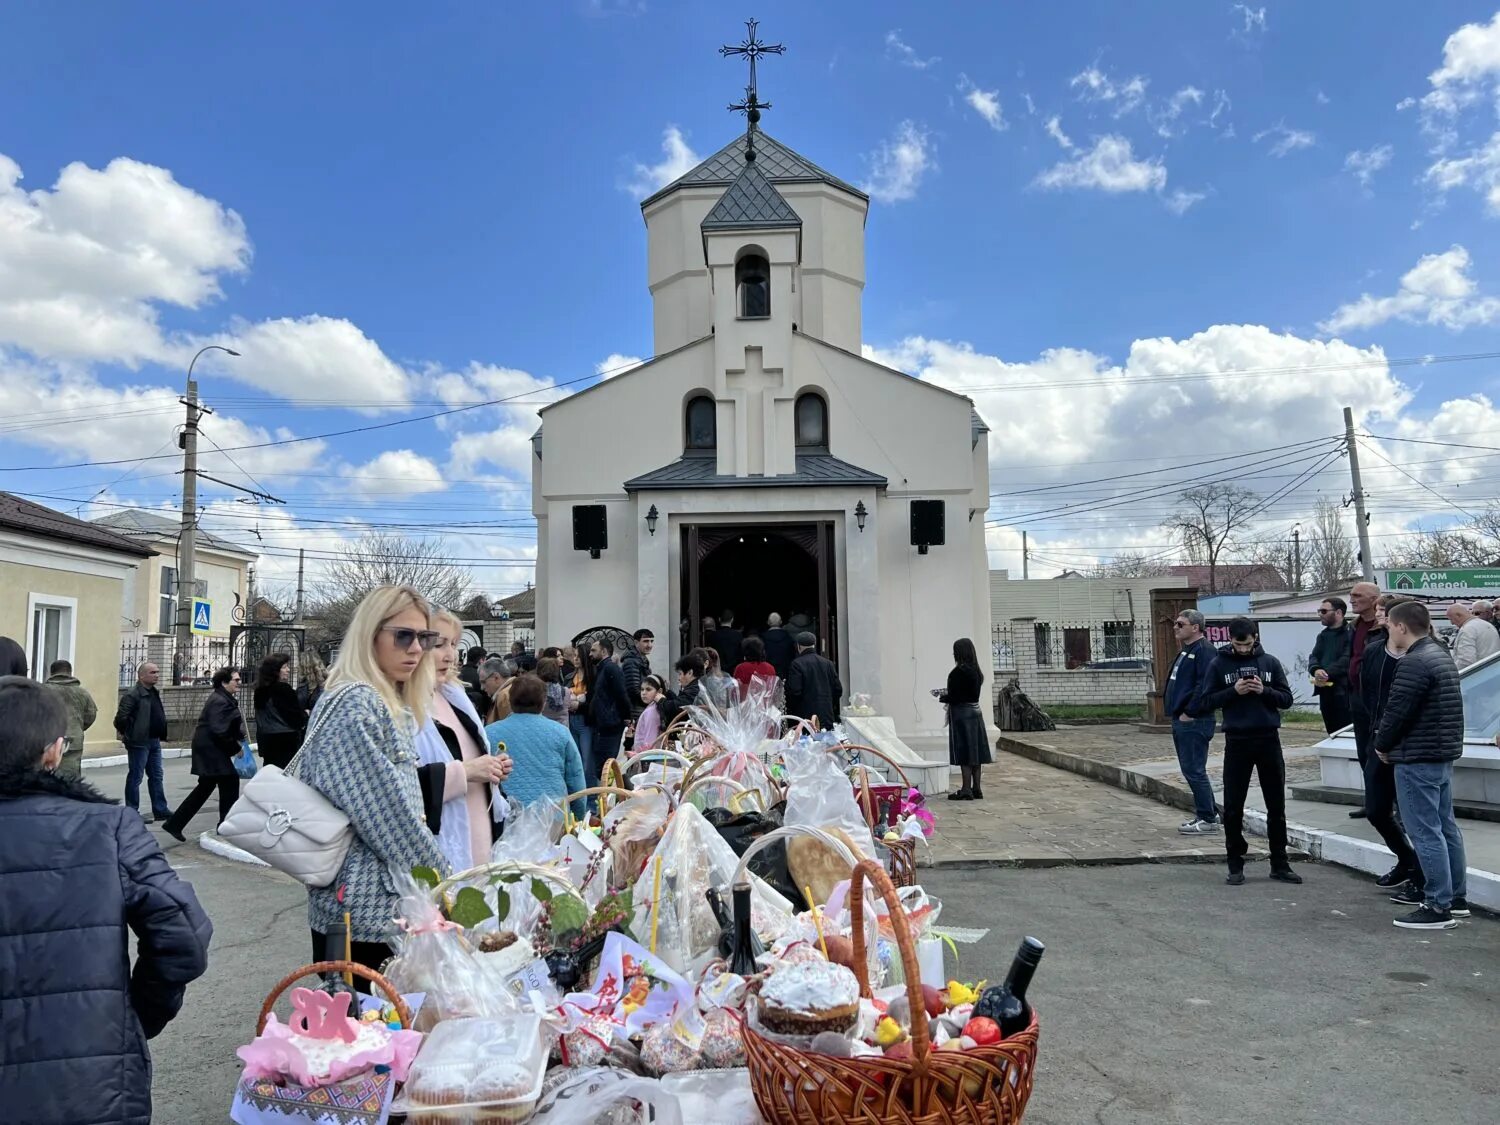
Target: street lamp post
{"type": "Point", "coordinates": [187, 539]}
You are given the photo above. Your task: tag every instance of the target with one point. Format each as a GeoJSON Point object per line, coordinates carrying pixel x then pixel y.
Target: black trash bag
{"type": "Point", "coordinates": [740, 830]}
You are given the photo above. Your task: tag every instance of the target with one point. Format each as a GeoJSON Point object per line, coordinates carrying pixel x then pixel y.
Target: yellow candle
{"type": "Point", "coordinates": [817, 921]}
{"type": "Point", "coordinates": [655, 902]}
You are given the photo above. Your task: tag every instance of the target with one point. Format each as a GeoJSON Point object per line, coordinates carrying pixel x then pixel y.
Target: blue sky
{"type": "Point", "coordinates": [388, 208]}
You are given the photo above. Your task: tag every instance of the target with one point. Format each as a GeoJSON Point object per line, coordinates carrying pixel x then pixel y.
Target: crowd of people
{"type": "Point", "coordinates": [1385, 672]}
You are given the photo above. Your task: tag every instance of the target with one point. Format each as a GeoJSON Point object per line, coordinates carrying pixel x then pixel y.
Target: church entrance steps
{"type": "Point", "coordinates": [919, 757]}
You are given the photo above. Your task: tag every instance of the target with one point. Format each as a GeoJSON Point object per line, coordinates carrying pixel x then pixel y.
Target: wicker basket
{"type": "Point", "coordinates": [403, 1013]}
{"type": "Point", "coordinates": [981, 1086]}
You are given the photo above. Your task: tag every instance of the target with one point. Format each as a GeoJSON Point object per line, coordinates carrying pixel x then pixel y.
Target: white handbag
{"type": "Point", "coordinates": [289, 824]}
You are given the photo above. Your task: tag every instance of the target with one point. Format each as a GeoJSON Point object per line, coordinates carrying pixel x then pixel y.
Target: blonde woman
{"type": "Point", "coordinates": [362, 756]}
{"type": "Point", "coordinates": [456, 770]}
{"type": "Point", "coordinates": [311, 674]}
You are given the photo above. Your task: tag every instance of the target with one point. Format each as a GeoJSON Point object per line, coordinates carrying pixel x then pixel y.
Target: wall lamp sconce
{"type": "Point", "coordinates": [860, 514]}
{"type": "Point", "coordinates": [651, 517]}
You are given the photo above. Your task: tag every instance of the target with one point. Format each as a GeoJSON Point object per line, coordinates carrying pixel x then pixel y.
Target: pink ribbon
{"type": "Point", "coordinates": [437, 926]}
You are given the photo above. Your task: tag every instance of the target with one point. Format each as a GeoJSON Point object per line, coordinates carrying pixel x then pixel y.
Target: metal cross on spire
{"type": "Point", "coordinates": [752, 49]}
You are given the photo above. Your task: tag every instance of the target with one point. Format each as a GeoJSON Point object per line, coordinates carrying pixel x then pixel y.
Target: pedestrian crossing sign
{"type": "Point", "coordinates": [202, 615]}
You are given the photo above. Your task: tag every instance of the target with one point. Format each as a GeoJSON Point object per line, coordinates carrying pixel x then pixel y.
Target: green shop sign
{"type": "Point", "coordinates": [1444, 582]}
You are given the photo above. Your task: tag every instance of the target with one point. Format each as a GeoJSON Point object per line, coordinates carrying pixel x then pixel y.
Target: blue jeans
{"type": "Point", "coordinates": [1424, 790]}
{"type": "Point", "coordinates": [1191, 739]}
{"type": "Point", "coordinates": [145, 758]}
{"type": "Point", "coordinates": [583, 737]}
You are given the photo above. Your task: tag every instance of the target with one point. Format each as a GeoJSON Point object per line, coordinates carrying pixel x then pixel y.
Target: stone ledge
{"type": "Point", "coordinates": [1336, 795]}
{"type": "Point", "coordinates": [1117, 776]}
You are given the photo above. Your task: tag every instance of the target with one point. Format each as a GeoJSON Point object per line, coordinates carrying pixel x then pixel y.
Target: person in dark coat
{"type": "Point", "coordinates": [78, 869]}
{"type": "Point", "coordinates": [968, 745]}
{"type": "Point", "coordinates": [727, 641]}
{"type": "Point", "coordinates": [12, 658]}
{"type": "Point", "coordinates": [609, 710]}
{"type": "Point", "coordinates": [216, 741]}
{"type": "Point", "coordinates": [780, 648]}
{"type": "Point", "coordinates": [813, 689]}
{"type": "Point", "coordinates": [1329, 665]}
{"type": "Point", "coordinates": [280, 721]}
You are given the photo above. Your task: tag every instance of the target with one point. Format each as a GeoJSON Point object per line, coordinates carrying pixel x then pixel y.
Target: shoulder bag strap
{"type": "Point", "coordinates": [326, 705]}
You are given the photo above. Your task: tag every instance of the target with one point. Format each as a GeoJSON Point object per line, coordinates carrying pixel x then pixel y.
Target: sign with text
{"type": "Point", "coordinates": [1444, 583]}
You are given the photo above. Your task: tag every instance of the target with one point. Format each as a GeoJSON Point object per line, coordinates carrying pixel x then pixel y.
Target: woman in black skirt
{"type": "Point", "coordinates": [968, 745]}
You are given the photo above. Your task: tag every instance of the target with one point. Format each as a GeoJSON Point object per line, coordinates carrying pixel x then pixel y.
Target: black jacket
{"type": "Point", "coordinates": [1189, 676]}
{"type": "Point", "coordinates": [729, 643]}
{"type": "Point", "coordinates": [1381, 668]}
{"type": "Point", "coordinates": [77, 869]}
{"type": "Point", "coordinates": [1331, 652]}
{"type": "Point", "coordinates": [140, 715]}
{"type": "Point", "coordinates": [1249, 713]}
{"type": "Point", "coordinates": [278, 710]}
{"type": "Point", "coordinates": [1423, 717]}
{"type": "Point", "coordinates": [781, 650]}
{"type": "Point", "coordinates": [676, 702]}
{"type": "Point", "coordinates": [636, 668]}
{"type": "Point", "coordinates": [609, 703]}
{"type": "Point", "coordinates": [964, 684]}
{"type": "Point", "coordinates": [216, 739]}
{"type": "Point", "coordinates": [813, 688]}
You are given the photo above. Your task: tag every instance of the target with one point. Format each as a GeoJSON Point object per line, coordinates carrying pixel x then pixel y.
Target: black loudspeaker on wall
{"type": "Point", "coordinates": [590, 529]}
{"type": "Point", "coordinates": [927, 524]}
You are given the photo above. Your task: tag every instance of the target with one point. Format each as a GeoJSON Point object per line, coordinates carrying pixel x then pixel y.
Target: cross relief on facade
{"type": "Point", "coordinates": [754, 390]}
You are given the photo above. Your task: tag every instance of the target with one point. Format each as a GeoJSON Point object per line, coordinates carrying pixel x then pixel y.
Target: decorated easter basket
{"type": "Point", "coordinates": [986, 1085]}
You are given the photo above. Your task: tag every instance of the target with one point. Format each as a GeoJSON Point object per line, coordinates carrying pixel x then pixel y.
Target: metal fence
{"type": "Point", "coordinates": [196, 662]}
{"type": "Point", "coordinates": [1070, 645]}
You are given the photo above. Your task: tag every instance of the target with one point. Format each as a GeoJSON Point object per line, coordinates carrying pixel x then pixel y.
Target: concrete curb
{"type": "Point", "coordinates": [1039, 862]}
{"type": "Point", "coordinates": [1317, 843]}
{"type": "Point", "coordinates": [124, 759]}
{"type": "Point", "coordinates": [225, 850]}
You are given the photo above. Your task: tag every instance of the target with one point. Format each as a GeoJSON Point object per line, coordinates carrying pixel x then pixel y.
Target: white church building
{"type": "Point", "coordinates": [759, 463]}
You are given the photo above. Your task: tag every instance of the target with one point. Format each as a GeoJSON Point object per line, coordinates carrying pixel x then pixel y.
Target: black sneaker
{"type": "Point", "coordinates": [961, 795]}
{"type": "Point", "coordinates": [1426, 918]}
{"type": "Point", "coordinates": [1235, 878]}
{"type": "Point", "coordinates": [1407, 895]}
{"type": "Point", "coordinates": [1285, 875]}
{"type": "Point", "coordinates": [1358, 814]}
{"type": "Point", "coordinates": [1392, 878]}
{"type": "Point", "coordinates": [1460, 908]}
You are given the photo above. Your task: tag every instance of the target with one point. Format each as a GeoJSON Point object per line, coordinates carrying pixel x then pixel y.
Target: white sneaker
{"type": "Point", "coordinates": [1197, 827]}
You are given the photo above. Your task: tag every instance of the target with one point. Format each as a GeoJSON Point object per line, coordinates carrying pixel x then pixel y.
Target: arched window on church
{"type": "Point", "coordinates": [752, 283]}
{"type": "Point", "coordinates": [702, 425]}
{"type": "Point", "coordinates": [812, 421]}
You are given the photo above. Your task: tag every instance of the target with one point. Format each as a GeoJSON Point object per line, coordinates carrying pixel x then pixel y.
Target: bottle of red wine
{"type": "Point", "coordinates": [1005, 1003]}
{"type": "Point", "coordinates": [747, 945]}
{"type": "Point", "coordinates": [726, 923]}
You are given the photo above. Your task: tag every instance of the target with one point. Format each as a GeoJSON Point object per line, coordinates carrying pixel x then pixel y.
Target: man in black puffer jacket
{"type": "Point", "coordinates": [1250, 686]}
{"type": "Point", "coordinates": [1421, 733]}
{"type": "Point", "coordinates": [77, 869]}
{"type": "Point", "coordinates": [1378, 672]}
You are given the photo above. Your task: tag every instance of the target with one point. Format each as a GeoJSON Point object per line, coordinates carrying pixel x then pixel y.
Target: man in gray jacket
{"type": "Point", "coordinates": [82, 711]}
{"type": "Point", "coordinates": [141, 723]}
{"type": "Point", "coordinates": [1421, 733]}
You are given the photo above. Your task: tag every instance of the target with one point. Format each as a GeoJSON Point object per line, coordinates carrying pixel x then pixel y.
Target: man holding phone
{"type": "Point", "coordinates": [1250, 686]}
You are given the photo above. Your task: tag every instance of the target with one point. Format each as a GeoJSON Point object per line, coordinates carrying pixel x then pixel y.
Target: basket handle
{"type": "Point", "coordinates": [403, 1013]}
{"type": "Point", "coordinates": [869, 869]}
{"type": "Point", "coordinates": [534, 870]}
{"type": "Point", "coordinates": [786, 832]}
{"type": "Point", "coordinates": [884, 757]}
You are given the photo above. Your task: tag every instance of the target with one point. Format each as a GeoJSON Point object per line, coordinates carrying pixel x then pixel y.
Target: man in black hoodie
{"type": "Point", "coordinates": [1249, 685]}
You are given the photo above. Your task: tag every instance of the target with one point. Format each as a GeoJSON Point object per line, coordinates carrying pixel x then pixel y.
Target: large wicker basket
{"type": "Point", "coordinates": [981, 1086]}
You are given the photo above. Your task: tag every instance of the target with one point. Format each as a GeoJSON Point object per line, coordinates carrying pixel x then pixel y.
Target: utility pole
{"type": "Point", "coordinates": [1297, 559]}
{"type": "Point", "coordinates": [1025, 558]}
{"type": "Point", "coordinates": [187, 541]}
{"type": "Point", "coordinates": [1361, 520]}
{"type": "Point", "coordinates": [301, 561]}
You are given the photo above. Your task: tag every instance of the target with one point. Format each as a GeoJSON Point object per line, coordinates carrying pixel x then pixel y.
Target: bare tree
{"type": "Point", "coordinates": [1474, 544]}
{"type": "Point", "coordinates": [1129, 564]}
{"type": "Point", "coordinates": [476, 608]}
{"type": "Point", "coordinates": [381, 558]}
{"type": "Point", "coordinates": [1207, 517]}
{"type": "Point", "coordinates": [1330, 554]}
{"type": "Point", "coordinates": [1272, 553]}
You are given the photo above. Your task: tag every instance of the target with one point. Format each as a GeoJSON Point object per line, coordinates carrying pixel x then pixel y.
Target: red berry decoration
{"type": "Point", "coordinates": [982, 1030]}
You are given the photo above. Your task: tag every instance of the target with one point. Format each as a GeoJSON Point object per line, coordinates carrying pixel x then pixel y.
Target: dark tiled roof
{"type": "Point", "coordinates": [976, 427]}
{"type": "Point", "coordinates": [523, 603]}
{"type": "Point", "coordinates": [700, 472]}
{"type": "Point", "coordinates": [150, 525]}
{"type": "Point", "coordinates": [780, 164]}
{"type": "Point", "coordinates": [33, 519]}
{"type": "Point", "coordinates": [751, 202]}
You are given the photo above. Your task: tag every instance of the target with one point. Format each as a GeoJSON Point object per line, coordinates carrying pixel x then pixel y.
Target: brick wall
{"type": "Point", "coordinates": [1050, 683]}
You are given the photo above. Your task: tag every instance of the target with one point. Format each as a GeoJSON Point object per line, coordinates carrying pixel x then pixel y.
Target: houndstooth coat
{"type": "Point", "coordinates": [364, 760]}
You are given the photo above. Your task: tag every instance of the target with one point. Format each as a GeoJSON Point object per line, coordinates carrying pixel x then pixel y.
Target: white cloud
{"type": "Point", "coordinates": [1179, 202]}
{"type": "Point", "coordinates": [1164, 117]}
{"type": "Point", "coordinates": [507, 448]}
{"type": "Point", "coordinates": [1222, 106]}
{"type": "Point", "coordinates": [616, 364]}
{"type": "Point", "coordinates": [312, 357]}
{"type": "Point", "coordinates": [1093, 85]}
{"type": "Point", "coordinates": [1480, 170]}
{"type": "Point", "coordinates": [1437, 290]}
{"type": "Point", "coordinates": [898, 165]}
{"type": "Point", "coordinates": [1321, 97]}
{"type": "Point", "coordinates": [1471, 60]}
{"type": "Point", "coordinates": [986, 103]}
{"type": "Point", "coordinates": [1287, 140]}
{"type": "Point", "coordinates": [84, 264]}
{"type": "Point", "coordinates": [897, 49]}
{"type": "Point", "coordinates": [1030, 105]}
{"type": "Point", "coordinates": [1364, 163]}
{"type": "Point", "coordinates": [1254, 20]}
{"type": "Point", "coordinates": [396, 472]}
{"type": "Point", "coordinates": [1109, 166]}
{"type": "Point", "coordinates": [678, 158]}
{"type": "Point", "coordinates": [1055, 131]}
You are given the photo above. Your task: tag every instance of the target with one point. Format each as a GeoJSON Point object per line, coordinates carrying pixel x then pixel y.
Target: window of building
{"type": "Point", "coordinates": [752, 283]}
{"type": "Point", "coordinates": [1076, 647]}
{"type": "Point", "coordinates": [812, 422]}
{"type": "Point", "coordinates": [1119, 640]}
{"type": "Point", "coordinates": [702, 425]}
{"type": "Point", "coordinates": [167, 600]}
{"type": "Point", "coordinates": [51, 622]}
{"type": "Point", "coordinates": [1043, 636]}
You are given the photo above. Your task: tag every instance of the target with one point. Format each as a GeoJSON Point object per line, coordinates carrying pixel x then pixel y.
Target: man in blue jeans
{"type": "Point", "coordinates": [1191, 735]}
{"type": "Point", "coordinates": [1421, 733]}
{"type": "Point", "coordinates": [141, 723]}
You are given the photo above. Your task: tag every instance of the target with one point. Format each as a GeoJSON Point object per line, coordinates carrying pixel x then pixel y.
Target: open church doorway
{"type": "Point", "coordinates": [755, 570]}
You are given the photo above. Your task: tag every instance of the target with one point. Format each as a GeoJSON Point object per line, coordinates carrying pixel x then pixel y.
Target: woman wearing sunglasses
{"type": "Point", "coordinates": [361, 755]}
{"type": "Point", "coordinates": [460, 778]}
